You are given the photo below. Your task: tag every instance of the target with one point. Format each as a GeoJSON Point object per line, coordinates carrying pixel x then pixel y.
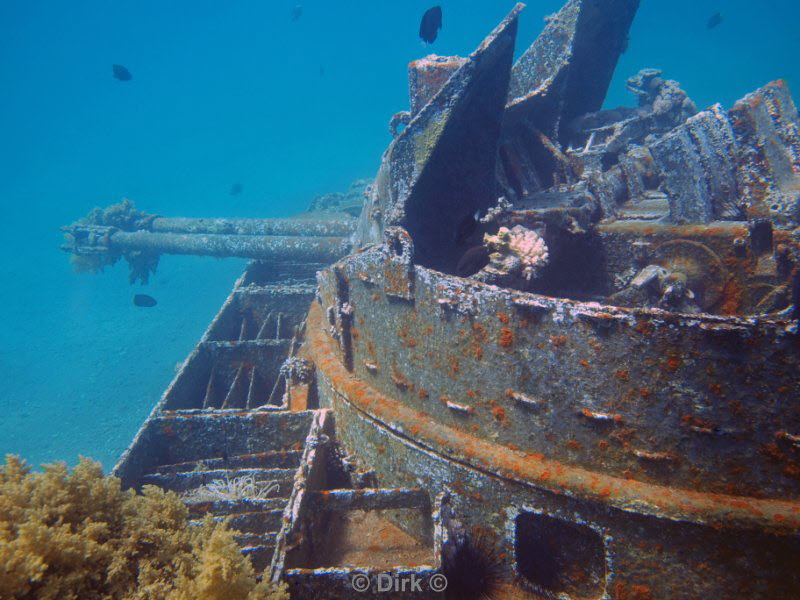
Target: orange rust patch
{"type": "Point", "coordinates": [697, 423]}
{"type": "Point", "coordinates": [454, 367]}
{"type": "Point", "coordinates": [640, 592]}
{"type": "Point", "coordinates": [423, 394]}
{"type": "Point", "coordinates": [644, 327]}
{"type": "Point", "coordinates": [584, 363]}
{"type": "Point", "coordinates": [503, 318]}
{"type": "Point", "coordinates": [558, 340]}
{"type": "Point", "coordinates": [400, 380]}
{"type": "Point", "coordinates": [499, 413]}
{"type": "Point", "coordinates": [715, 389]}
{"type": "Point", "coordinates": [673, 362]}
{"type": "Point", "coordinates": [506, 338]}
{"type": "Point", "coordinates": [731, 262]}
{"type": "Point", "coordinates": [731, 301]}
{"type": "Point", "coordinates": [622, 375]}
{"type": "Point", "coordinates": [574, 445]}
{"type": "Point", "coordinates": [645, 393]}
{"type": "Point", "coordinates": [354, 333]}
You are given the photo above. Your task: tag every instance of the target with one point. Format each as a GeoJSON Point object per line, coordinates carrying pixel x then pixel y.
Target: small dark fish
{"type": "Point", "coordinates": [297, 12]}
{"type": "Point", "coordinates": [714, 20]}
{"type": "Point", "coordinates": [144, 300]}
{"type": "Point", "coordinates": [121, 73]}
{"type": "Point", "coordinates": [431, 24]}
{"type": "Point", "coordinates": [236, 189]}
{"type": "Point", "coordinates": [473, 261]}
{"type": "Point", "coordinates": [466, 228]}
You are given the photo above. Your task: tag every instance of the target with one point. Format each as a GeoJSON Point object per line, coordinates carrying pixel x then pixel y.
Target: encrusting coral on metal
{"type": "Point", "coordinates": [606, 408]}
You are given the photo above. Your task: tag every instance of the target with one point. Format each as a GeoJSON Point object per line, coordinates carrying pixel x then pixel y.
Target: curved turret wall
{"type": "Point", "coordinates": [649, 447]}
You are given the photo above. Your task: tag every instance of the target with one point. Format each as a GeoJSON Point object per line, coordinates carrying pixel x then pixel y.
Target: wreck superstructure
{"type": "Point", "coordinates": [604, 401]}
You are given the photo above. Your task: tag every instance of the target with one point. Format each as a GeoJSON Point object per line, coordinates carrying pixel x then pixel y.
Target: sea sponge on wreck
{"type": "Point", "coordinates": [517, 255]}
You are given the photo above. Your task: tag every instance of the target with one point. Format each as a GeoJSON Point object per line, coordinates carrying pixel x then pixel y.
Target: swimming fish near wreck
{"type": "Point", "coordinates": [473, 261]}
{"type": "Point", "coordinates": [714, 20]}
{"type": "Point", "coordinates": [431, 24]}
{"type": "Point", "coordinates": [121, 73]}
{"type": "Point", "coordinates": [144, 300]}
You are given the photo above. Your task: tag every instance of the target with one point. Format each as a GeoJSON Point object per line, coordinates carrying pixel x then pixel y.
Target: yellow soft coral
{"type": "Point", "coordinates": [79, 536]}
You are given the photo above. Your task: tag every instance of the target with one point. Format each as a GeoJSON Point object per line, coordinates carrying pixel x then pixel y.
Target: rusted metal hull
{"type": "Point", "coordinates": [663, 445]}
{"type": "Point", "coordinates": [590, 444]}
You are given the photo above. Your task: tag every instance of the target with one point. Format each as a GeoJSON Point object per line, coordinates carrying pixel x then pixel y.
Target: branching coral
{"type": "Point", "coordinates": [237, 488]}
{"type": "Point", "coordinates": [77, 535]}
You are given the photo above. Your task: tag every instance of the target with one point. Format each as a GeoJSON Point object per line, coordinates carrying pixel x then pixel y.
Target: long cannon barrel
{"type": "Point", "coordinates": [330, 226]}
{"type": "Point", "coordinates": [120, 231]}
{"type": "Point", "coordinates": [294, 248]}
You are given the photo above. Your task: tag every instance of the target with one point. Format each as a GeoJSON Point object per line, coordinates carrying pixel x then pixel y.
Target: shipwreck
{"type": "Point", "coordinates": [550, 351]}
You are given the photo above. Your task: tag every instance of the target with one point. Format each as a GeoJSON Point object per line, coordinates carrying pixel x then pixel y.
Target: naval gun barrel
{"type": "Point", "coordinates": [120, 231]}
{"type": "Point", "coordinates": [329, 226]}
{"type": "Point", "coordinates": [296, 248]}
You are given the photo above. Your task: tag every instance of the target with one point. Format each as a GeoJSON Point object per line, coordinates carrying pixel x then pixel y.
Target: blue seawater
{"type": "Point", "coordinates": [227, 92]}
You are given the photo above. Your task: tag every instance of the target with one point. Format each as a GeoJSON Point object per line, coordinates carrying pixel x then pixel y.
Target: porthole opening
{"type": "Point", "coordinates": [556, 556]}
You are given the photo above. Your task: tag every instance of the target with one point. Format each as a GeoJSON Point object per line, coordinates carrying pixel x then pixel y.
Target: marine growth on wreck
{"type": "Point", "coordinates": [554, 355]}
